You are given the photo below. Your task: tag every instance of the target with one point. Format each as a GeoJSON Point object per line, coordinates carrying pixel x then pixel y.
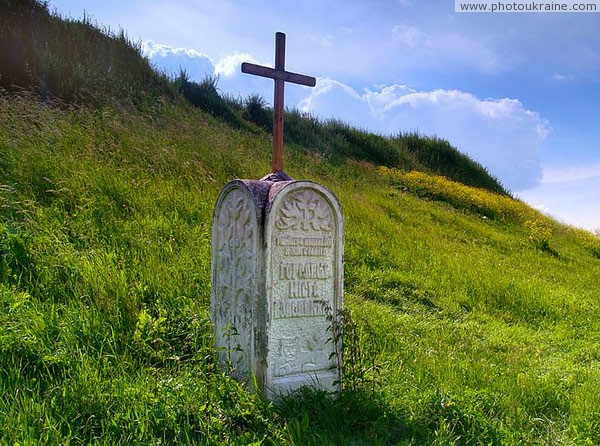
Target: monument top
{"type": "Point", "coordinates": [280, 76]}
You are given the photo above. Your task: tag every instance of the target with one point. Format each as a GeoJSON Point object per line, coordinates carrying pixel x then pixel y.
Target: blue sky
{"type": "Point", "coordinates": [518, 92]}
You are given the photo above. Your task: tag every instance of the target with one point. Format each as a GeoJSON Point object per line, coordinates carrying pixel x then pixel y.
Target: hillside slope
{"type": "Point", "coordinates": [76, 62]}
{"type": "Point", "coordinates": [472, 318]}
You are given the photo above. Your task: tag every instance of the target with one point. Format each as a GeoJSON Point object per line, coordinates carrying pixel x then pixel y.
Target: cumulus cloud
{"type": "Point", "coordinates": [152, 49]}
{"type": "Point", "coordinates": [345, 100]}
{"type": "Point", "coordinates": [171, 59]}
{"type": "Point", "coordinates": [230, 65]}
{"type": "Point", "coordinates": [197, 64]}
{"type": "Point", "coordinates": [501, 134]}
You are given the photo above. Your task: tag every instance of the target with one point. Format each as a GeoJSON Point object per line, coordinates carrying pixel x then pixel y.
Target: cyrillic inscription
{"type": "Point", "coordinates": [308, 270]}
{"type": "Point", "coordinates": [305, 246]}
{"type": "Point", "coordinates": [299, 308]}
{"type": "Point", "coordinates": [304, 266]}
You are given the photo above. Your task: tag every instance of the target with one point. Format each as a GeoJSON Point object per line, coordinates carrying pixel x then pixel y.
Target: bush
{"type": "Point", "coordinates": [256, 111]}
{"type": "Point", "coordinates": [205, 95]}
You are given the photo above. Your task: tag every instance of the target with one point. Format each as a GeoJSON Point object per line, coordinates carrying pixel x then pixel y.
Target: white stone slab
{"type": "Point", "coordinates": [277, 272]}
{"type": "Point", "coordinates": [236, 278]}
{"type": "Point", "coordinates": [304, 283]}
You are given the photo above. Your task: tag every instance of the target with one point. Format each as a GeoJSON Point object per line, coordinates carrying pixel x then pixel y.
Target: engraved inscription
{"type": "Point", "coordinates": [325, 242]}
{"type": "Point", "coordinates": [304, 286]}
{"type": "Point", "coordinates": [285, 308]}
{"type": "Point", "coordinates": [305, 246]}
{"type": "Point", "coordinates": [304, 243]}
{"type": "Point", "coordinates": [309, 270]}
{"type": "Point", "coordinates": [298, 289]}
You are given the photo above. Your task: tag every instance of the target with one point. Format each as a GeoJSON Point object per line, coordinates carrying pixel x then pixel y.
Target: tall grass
{"type": "Point", "coordinates": [75, 61]}
{"type": "Point", "coordinates": [462, 329]}
{"type": "Point", "coordinates": [445, 160]}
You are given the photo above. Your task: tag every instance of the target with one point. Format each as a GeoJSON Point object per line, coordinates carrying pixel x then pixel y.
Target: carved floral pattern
{"type": "Point", "coordinates": [235, 257]}
{"type": "Point", "coordinates": [305, 210]}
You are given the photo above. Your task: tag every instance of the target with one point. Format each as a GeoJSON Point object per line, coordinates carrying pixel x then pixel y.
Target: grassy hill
{"type": "Point", "coordinates": [471, 318]}
{"type": "Point", "coordinates": [79, 63]}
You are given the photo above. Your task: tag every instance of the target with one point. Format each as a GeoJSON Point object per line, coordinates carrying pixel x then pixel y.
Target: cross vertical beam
{"type": "Point", "coordinates": [277, 159]}
{"type": "Point", "coordinates": [280, 76]}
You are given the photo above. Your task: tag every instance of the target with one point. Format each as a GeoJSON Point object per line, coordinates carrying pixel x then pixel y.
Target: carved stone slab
{"type": "Point", "coordinates": [237, 284]}
{"type": "Point", "coordinates": [277, 275]}
{"type": "Point", "coordinates": [304, 280]}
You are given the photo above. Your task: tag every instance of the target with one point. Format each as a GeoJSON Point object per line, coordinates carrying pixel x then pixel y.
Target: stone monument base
{"type": "Point", "coordinates": [277, 283]}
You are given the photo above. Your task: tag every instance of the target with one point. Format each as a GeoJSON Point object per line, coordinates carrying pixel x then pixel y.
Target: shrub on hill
{"type": "Point", "coordinates": [256, 111]}
{"type": "Point", "coordinates": [205, 96]}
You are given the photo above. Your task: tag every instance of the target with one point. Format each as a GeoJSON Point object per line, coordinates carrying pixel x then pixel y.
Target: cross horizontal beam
{"type": "Point", "coordinates": [272, 73]}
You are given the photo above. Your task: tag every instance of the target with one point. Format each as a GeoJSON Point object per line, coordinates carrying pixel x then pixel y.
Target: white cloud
{"type": "Point", "coordinates": [410, 36]}
{"type": "Point", "coordinates": [561, 77]}
{"type": "Point", "coordinates": [501, 134]}
{"type": "Point", "coordinates": [327, 41]}
{"type": "Point", "coordinates": [198, 65]}
{"type": "Point", "coordinates": [172, 59]}
{"type": "Point", "coordinates": [152, 49]}
{"type": "Point", "coordinates": [230, 65]}
{"type": "Point", "coordinates": [443, 48]}
{"type": "Point", "coordinates": [379, 100]}
{"type": "Point", "coordinates": [323, 87]}
{"type": "Point", "coordinates": [567, 174]}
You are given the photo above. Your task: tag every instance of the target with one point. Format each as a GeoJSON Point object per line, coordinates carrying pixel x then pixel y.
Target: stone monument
{"type": "Point", "coordinates": [277, 271]}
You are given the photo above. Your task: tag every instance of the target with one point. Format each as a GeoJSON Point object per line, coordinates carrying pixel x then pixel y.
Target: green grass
{"type": "Point", "coordinates": [462, 327]}
{"type": "Point", "coordinates": [75, 61]}
{"type": "Point", "coordinates": [470, 317]}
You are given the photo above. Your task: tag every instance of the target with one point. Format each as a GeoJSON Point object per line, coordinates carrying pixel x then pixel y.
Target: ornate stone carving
{"type": "Point", "coordinates": [234, 257]}
{"type": "Point", "coordinates": [277, 277]}
{"type": "Point", "coordinates": [305, 210]}
{"type": "Point", "coordinates": [304, 230]}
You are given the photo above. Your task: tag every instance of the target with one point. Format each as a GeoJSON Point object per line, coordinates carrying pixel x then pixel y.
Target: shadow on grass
{"type": "Point", "coordinates": [357, 417]}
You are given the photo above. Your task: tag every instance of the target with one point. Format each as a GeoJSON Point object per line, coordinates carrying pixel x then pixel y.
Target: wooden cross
{"type": "Point", "coordinates": [279, 75]}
